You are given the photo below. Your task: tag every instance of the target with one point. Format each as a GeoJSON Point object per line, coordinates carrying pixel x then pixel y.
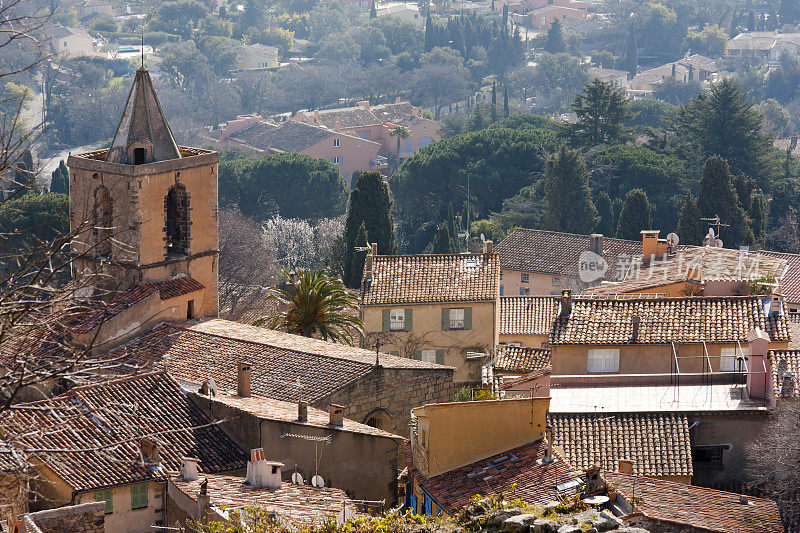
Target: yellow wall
{"type": "Point", "coordinates": [526, 341]}
{"type": "Point", "coordinates": [427, 334]}
{"type": "Point", "coordinates": [538, 284]}
{"type": "Point", "coordinates": [451, 435]}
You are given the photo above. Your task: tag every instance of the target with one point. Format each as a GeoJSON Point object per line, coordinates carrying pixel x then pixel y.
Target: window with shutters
{"type": "Point", "coordinates": [105, 496]}
{"type": "Point", "coordinates": [429, 356]}
{"type": "Point", "coordinates": [727, 360]}
{"type": "Point", "coordinates": [139, 496]}
{"type": "Point", "coordinates": [456, 319]}
{"type": "Point", "coordinates": [397, 320]}
{"type": "Point", "coordinates": [603, 360]}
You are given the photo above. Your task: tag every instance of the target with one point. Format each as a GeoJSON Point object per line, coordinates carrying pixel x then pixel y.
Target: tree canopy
{"type": "Point", "coordinates": [568, 202]}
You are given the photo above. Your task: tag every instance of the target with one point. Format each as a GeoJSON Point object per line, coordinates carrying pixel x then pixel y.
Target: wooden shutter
{"type": "Point", "coordinates": [439, 357]}
{"type": "Point", "coordinates": [408, 319]}
{"type": "Point", "coordinates": [418, 355]}
{"type": "Point", "coordinates": [139, 496]}
{"type": "Point", "coordinates": [105, 496]}
{"type": "Point", "coordinates": [385, 320]}
{"type": "Point", "coordinates": [445, 318]}
{"type": "Point", "coordinates": [467, 318]}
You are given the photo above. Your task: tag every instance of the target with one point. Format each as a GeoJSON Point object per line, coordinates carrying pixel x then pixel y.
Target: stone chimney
{"type": "Point", "coordinates": [336, 415]}
{"type": "Point", "coordinates": [635, 322]}
{"type": "Point", "coordinates": [302, 411]}
{"type": "Point", "coordinates": [488, 247]}
{"type": "Point", "coordinates": [243, 379]}
{"type": "Point", "coordinates": [263, 473]}
{"type": "Point", "coordinates": [565, 309]}
{"type": "Point", "coordinates": [189, 468]}
{"type": "Point", "coordinates": [596, 243]}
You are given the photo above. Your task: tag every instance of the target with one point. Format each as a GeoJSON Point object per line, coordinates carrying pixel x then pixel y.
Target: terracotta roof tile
{"type": "Point", "coordinates": [785, 362]}
{"type": "Point", "coordinates": [521, 359]}
{"type": "Point", "coordinates": [790, 282]}
{"type": "Point", "coordinates": [289, 136]}
{"type": "Point", "coordinates": [519, 467]}
{"type": "Point", "coordinates": [699, 507]}
{"type": "Point", "coordinates": [90, 435]}
{"type": "Point", "coordinates": [665, 320]}
{"type": "Point", "coordinates": [657, 442]}
{"type": "Point", "coordinates": [399, 279]}
{"type": "Point", "coordinates": [527, 315]}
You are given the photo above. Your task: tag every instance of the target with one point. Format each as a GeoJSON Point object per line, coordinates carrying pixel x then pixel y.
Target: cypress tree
{"type": "Point", "coordinates": [369, 205]}
{"type": "Point", "coordinates": [758, 218]}
{"type": "Point", "coordinates": [567, 198]}
{"type": "Point", "coordinates": [635, 215]}
{"type": "Point", "coordinates": [354, 269]}
{"type": "Point", "coordinates": [751, 22]}
{"type": "Point", "coordinates": [59, 181]}
{"type": "Point", "coordinates": [442, 243]}
{"type": "Point", "coordinates": [718, 197]}
{"type": "Point", "coordinates": [494, 101]}
{"type": "Point", "coordinates": [429, 37]}
{"type": "Point", "coordinates": [373, 13]}
{"type": "Point", "coordinates": [451, 220]}
{"type": "Point", "coordinates": [606, 211]}
{"type": "Point", "coordinates": [505, 101]}
{"type": "Point", "coordinates": [505, 15]}
{"type": "Point", "coordinates": [632, 53]}
{"type": "Point", "coordinates": [691, 229]}
{"type": "Point", "coordinates": [23, 170]}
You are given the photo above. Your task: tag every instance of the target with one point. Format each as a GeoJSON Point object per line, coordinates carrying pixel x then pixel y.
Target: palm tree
{"type": "Point", "coordinates": [401, 133]}
{"type": "Point", "coordinates": [318, 304]}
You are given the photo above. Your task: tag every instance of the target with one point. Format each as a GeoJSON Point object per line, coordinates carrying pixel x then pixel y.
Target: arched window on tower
{"type": "Point", "coordinates": [177, 212]}
{"type": "Point", "coordinates": [102, 222]}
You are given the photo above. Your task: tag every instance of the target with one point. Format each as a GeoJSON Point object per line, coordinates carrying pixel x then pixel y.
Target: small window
{"type": "Point", "coordinates": [429, 356]}
{"type": "Point", "coordinates": [190, 310]}
{"type": "Point", "coordinates": [525, 278]}
{"type": "Point", "coordinates": [139, 496]}
{"type": "Point", "coordinates": [336, 142]}
{"type": "Point", "coordinates": [139, 155]}
{"type": "Point", "coordinates": [397, 320]}
{"type": "Point", "coordinates": [603, 361]}
{"type": "Point", "coordinates": [456, 319]}
{"type": "Point", "coordinates": [708, 455]}
{"type": "Point", "coordinates": [105, 496]}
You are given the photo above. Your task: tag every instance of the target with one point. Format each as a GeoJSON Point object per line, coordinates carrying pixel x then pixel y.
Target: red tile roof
{"type": "Point", "coordinates": [400, 279]}
{"type": "Point", "coordinates": [521, 360]}
{"type": "Point", "coordinates": [519, 470]}
{"type": "Point", "coordinates": [698, 507]}
{"type": "Point", "coordinates": [665, 320]}
{"type": "Point", "coordinates": [783, 362]}
{"type": "Point", "coordinates": [527, 315]}
{"type": "Point", "coordinates": [90, 436]}
{"type": "Point", "coordinates": [657, 442]}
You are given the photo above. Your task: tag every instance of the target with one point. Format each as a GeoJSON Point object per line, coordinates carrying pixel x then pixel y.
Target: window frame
{"type": "Point", "coordinates": [603, 368]}
{"type": "Point", "coordinates": [524, 277]}
{"type": "Point", "coordinates": [136, 496]}
{"type": "Point", "coordinates": [336, 142]}
{"type": "Point", "coordinates": [454, 322]}
{"type": "Point", "coordinates": [393, 323]}
{"type": "Point", "coordinates": [431, 354]}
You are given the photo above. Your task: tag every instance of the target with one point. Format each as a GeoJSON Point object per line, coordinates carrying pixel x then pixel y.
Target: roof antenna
{"type": "Point", "coordinates": [142, 46]}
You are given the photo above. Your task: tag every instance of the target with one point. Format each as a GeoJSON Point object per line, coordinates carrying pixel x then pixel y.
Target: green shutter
{"type": "Point", "coordinates": [467, 318]}
{"type": "Point", "coordinates": [385, 320]}
{"type": "Point", "coordinates": [105, 496]}
{"type": "Point", "coordinates": [409, 319]}
{"type": "Point", "coordinates": [418, 355]}
{"type": "Point", "coordinates": [139, 496]}
{"type": "Point", "coordinates": [439, 357]}
{"type": "Point", "coordinates": [445, 318]}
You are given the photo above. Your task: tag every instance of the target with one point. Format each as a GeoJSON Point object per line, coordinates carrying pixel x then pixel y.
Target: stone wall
{"type": "Point", "coordinates": [83, 518]}
{"type": "Point", "coordinates": [390, 393]}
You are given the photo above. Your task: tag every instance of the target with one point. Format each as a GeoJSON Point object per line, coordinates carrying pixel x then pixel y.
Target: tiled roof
{"type": "Point", "coordinates": [270, 409]}
{"type": "Point", "coordinates": [700, 264]}
{"type": "Point", "coordinates": [393, 112]}
{"type": "Point", "coordinates": [294, 503]}
{"type": "Point", "coordinates": [211, 349]}
{"type": "Point", "coordinates": [790, 282]}
{"type": "Point", "coordinates": [289, 136]}
{"type": "Point", "coordinates": [784, 361]}
{"type": "Point", "coordinates": [657, 442]}
{"type": "Point", "coordinates": [666, 320]}
{"type": "Point", "coordinates": [345, 117]}
{"type": "Point", "coordinates": [699, 507]}
{"type": "Point", "coordinates": [90, 435]}
{"type": "Point", "coordinates": [399, 279]}
{"type": "Point", "coordinates": [527, 315]}
{"type": "Point", "coordinates": [171, 288]}
{"type": "Point", "coordinates": [552, 252]}
{"type": "Point", "coordinates": [521, 359]}
{"type": "Point", "coordinates": [519, 470]}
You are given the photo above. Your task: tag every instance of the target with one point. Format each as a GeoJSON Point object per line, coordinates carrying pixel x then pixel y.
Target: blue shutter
{"type": "Point", "coordinates": [412, 503]}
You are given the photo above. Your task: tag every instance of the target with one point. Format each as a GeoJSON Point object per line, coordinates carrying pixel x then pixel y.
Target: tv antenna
{"type": "Point", "coordinates": [142, 46]}
{"type": "Point", "coordinates": [715, 221]}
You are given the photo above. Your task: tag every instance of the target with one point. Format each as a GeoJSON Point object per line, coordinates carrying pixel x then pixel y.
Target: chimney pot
{"type": "Point", "coordinates": [302, 411]}
{"type": "Point", "coordinates": [243, 379]}
{"type": "Point", "coordinates": [566, 303]}
{"type": "Point", "coordinates": [189, 468]}
{"type": "Point", "coordinates": [336, 415]}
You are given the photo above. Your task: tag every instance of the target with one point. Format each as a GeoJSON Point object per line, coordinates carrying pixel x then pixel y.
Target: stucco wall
{"type": "Point", "coordinates": [127, 520]}
{"type": "Point", "coordinates": [538, 284]}
{"type": "Point", "coordinates": [526, 341]}
{"type": "Point", "coordinates": [356, 153]}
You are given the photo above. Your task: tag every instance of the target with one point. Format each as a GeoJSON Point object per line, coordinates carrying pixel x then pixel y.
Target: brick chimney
{"type": "Point", "coordinates": [336, 415]}
{"type": "Point", "coordinates": [302, 411]}
{"type": "Point", "coordinates": [243, 379]}
{"type": "Point", "coordinates": [596, 243]}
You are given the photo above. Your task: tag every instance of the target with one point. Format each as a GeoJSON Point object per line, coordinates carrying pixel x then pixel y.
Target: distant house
{"type": "Point", "coordinates": [405, 11]}
{"type": "Point", "coordinates": [691, 68]}
{"type": "Point", "coordinates": [70, 42]}
{"type": "Point", "coordinates": [762, 46]}
{"type": "Point", "coordinates": [256, 56]}
{"type": "Point", "coordinates": [609, 75]}
{"type": "Point", "coordinates": [90, 8]}
{"type": "Point", "coordinates": [543, 17]}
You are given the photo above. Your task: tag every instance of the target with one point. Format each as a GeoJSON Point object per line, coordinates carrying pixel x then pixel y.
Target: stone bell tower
{"type": "Point", "coordinates": [145, 211]}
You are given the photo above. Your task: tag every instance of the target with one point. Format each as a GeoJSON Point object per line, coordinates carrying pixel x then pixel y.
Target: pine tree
{"type": "Point", "coordinates": [635, 215]}
{"type": "Point", "coordinates": [632, 53]}
{"type": "Point", "coordinates": [442, 243]}
{"type": "Point", "coordinates": [691, 228]}
{"type": "Point", "coordinates": [505, 101]}
{"type": "Point", "coordinates": [718, 197]}
{"type": "Point", "coordinates": [758, 217]}
{"type": "Point", "coordinates": [59, 181]}
{"type": "Point", "coordinates": [554, 40]}
{"type": "Point", "coordinates": [602, 110]}
{"type": "Point", "coordinates": [606, 211]}
{"type": "Point", "coordinates": [369, 205]}
{"type": "Point", "coordinates": [373, 12]}
{"type": "Point", "coordinates": [567, 197]}
{"type": "Point", "coordinates": [494, 102]}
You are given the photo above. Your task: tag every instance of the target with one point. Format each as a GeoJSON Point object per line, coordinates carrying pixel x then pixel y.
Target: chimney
{"type": "Point", "coordinates": [263, 473]}
{"type": "Point", "coordinates": [414, 110]}
{"type": "Point", "coordinates": [150, 450]}
{"type": "Point", "coordinates": [626, 466]}
{"type": "Point", "coordinates": [596, 243]}
{"type": "Point", "coordinates": [635, 321]}
{"type": "Point", "coordinates": [548, 453]}
{"type": "Point", "coordinates": [369, 261]}
{"type": "Point", "coordinates": [363, 103]}
{"type": "Point", "coordinates": [488, 247]}
{"type": "Point", "coordinates": [566, 303]}
{"type": "Point", "coordinates": [336, 415]}
{"type": "Point", "coordinates": [243, 379]}
{"type": "Point", "coordinates": [757, 379]}
{"type": "Point", "coordinates": [652, 246]}
{"type": "Point", "coordinates": [189, 468]}
{"type": "Point", "coordinates": [302, 411]}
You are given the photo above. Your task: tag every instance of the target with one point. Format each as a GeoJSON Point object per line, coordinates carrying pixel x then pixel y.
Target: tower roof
{"type": "Point", "coordinates": [143, 124]}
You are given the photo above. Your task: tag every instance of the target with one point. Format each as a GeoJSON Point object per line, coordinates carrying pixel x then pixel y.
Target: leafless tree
{"type": "Point", "coordinates": [406, 343]}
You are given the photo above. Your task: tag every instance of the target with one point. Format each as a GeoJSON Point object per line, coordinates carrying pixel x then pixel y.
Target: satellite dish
{"type": "Point", "coordinates": [673, 239]}
{"type": "Point", "coordinates": [718, 243]}
{"type": "Point", "coordinates": [318, 482]}
{"type": "Point", "coordinates": [297, 478]}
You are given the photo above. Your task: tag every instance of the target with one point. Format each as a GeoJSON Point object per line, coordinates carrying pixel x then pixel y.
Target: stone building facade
{"type": "Point", "coordinates": [82, 518]}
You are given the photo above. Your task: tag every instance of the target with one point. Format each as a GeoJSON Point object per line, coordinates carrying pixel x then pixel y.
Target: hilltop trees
{"type": "Point", "coordinates": [691, 228]}
{"type": "Point", "coordinates": [602, 110]}
{"type": "Point", "coordinates": [635, 215]}
{"type": "Point", "coordinates": [567, 198]}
